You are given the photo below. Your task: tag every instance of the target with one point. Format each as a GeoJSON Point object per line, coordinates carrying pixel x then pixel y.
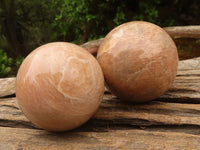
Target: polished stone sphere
{"type": "Point", "coordinates": [59, 86]}
{"type": "Point", "coordinates": [139, 61]}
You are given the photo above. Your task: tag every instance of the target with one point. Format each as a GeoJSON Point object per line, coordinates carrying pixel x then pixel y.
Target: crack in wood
{"type": "Point", "coordinates": [17, 124]}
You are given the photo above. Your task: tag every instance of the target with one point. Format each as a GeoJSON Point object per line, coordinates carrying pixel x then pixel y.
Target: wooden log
{"type": "Point", "coordinates": [27, 139]}
{"type": "Point", "coordinates": [183, 31]}
{"type": "Point", "coordinates": [92, 46]}
{"type": "Point", "coordinates": [175, 32]}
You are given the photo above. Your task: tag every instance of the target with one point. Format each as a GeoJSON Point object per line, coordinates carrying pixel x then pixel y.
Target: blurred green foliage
{"type": "Point", "coordinates": [5, 64]}
{"type": "Point", "coordinates": [25, 24]}
{"type": "Point", "coordinates": [8, 64]}
{"type": "Point", "coordinates": [18, 61]}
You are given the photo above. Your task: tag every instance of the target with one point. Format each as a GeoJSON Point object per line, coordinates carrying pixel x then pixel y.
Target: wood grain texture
{"type": "Point", "coordinates": [7, 86]}
{"type": "Point", "coordinates": [27, 139]}
{"type": "Point", "coordinates": [185, 89]}
{"type": "Point", "coordinates": [183, 31]}
{"type": "Point", "coordinates": [114, 112]}
{"type": "Point", "coordinates": [189, 64]}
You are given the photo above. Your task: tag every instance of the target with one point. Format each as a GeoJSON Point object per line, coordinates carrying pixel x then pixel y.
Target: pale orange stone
{"type": "Point", "coordinates": [139, 61]}
{"type": "Point", "coordinates": [59, 86]}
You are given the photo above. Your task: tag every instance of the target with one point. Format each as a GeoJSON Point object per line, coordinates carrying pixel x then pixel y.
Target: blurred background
{"type": "Point", "coordinates": [27, 24]}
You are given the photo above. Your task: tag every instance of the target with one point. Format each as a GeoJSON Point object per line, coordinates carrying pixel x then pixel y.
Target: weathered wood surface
{"type": "Point", "coordinates": [183, 31]}
{"type": "Point", "coordinates": [170, 122]}
{"type": "Point", "coordinates": [7, 86]}
{"type": "Point", "coordinates": [26, 139]}
{"type": "Point", "coordinates": [189, 64]}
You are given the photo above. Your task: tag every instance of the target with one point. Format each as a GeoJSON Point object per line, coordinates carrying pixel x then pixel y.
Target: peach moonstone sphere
{"type": "Point", "coordinates": [59, 86]}
{"type": "Point", "coordinates": [139, 61]}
